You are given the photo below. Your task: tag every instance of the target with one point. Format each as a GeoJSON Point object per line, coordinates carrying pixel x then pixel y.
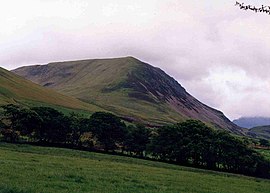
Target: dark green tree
{"type": "Point", "coordinates": [11, 115]}
{"type": "Point", "coordinates": [27, 122]}
{"type": "Point", "coordinates": [136, 139]}
{"type": "Point", "coordinates": [8, 134]}
{"type": "Point", "coordinates": [54, 127]}
{"type": "Point", "coordinates": [185, 143]}
{"type": "Point", "coordinates": [75, 129]}
{"type": "Point", "coordinates": [79, 126]}
{"type": "Point", "coordinates": [108, 129]}
{"type": "Point", "coordinates": [21, 120]}
{"type": "Point", "coordinates": [2, 125]}
{"type": "Point", "coordinates": [264, 142]}
{"type": "Point", "coordinates": [166, 144]}
{"type": "Point", "coordinates": [197, 138]}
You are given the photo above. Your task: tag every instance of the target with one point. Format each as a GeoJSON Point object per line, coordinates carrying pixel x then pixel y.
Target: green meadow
{"type": "Point", "coordinates": [33, 169]}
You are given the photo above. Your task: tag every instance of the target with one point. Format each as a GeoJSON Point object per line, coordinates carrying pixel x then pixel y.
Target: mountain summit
{"type": "Point", "coordinates": [127, 87]}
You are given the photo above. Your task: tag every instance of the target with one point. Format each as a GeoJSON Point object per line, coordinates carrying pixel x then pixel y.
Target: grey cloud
{"type": "Point", "coordinates": [188, 39]}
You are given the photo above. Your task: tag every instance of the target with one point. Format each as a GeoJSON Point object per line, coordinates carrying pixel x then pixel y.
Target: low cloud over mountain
{"type": "Point", "coordinates": [218, 52]}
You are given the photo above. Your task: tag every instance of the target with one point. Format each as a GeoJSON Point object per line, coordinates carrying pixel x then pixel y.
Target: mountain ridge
{"type": "Point", "coordinates": [126, 86]}
{"type": "Point", "coordinates": [250, 122]}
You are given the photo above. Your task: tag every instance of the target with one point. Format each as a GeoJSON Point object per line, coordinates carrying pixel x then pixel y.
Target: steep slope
{"type": "Point", "coordinates": [15, 89]}
{"type": "Point", "coordinates": [127, 87]}
{"type": "Point", "coordinates": [249, 122]}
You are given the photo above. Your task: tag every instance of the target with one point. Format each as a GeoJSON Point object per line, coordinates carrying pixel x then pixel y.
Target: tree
{"type": "Point", "coordinates": [264, 142]}
{"type": "Point", "coordinates": [262, 9]}
{"type": "Point", "coordinates": [21, 120]}
{"type": "Point", "coordinates": [186, 143]}
{"type": "Point", "coordinates": [54, 126]}
{"type": "Point", "coordinates": [137, 139]}
{"type": "Point", "coordinates": [87, 140]}
{"type": "Point", "coordinates": [192, 142]}
{"type": "Point", "coordinates": [76, 128]}
{"type": "Point", "coordinates": [198, 141]}
{"type": "Point", "coordinates": [11, 115]}
{"type": "Point", "coordinates": [167, 144]}
{"type": "Point", "coordinates": [27, 122]}
{"type": "Point", "coordinates": [108, 129]}
{"type": "Point", "coordinates": [2, 125]}
{"type": "Point", "coordinates": [8, 134]}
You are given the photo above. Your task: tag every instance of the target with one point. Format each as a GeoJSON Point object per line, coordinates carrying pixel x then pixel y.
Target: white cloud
{"type": "Point", "coordinates": [217, 52]}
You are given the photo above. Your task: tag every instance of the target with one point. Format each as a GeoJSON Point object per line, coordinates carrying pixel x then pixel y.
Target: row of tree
{"type": "Point", "coordinates": [187, 143]}
{"type": "Point", "coordinates": [192, 142]}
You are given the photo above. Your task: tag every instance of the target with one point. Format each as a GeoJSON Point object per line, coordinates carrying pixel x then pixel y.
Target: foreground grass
{"type": "Point", "coordinates": [25, 168]}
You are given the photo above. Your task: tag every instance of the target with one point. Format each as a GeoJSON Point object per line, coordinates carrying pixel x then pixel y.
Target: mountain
{"type": "Point", "coordinates": [128, 87]}
{"type": "Point", "coordinates": [260, 132]}
{"type": "Point", "coordinates": [249, 122]}
{"type": "Point", "coordinates": [17, 90]}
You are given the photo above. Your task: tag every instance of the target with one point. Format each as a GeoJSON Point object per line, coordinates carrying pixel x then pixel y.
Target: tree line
{"type": "Point", "coordinates": [190, 143]}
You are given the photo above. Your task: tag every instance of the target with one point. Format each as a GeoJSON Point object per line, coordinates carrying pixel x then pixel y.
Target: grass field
{"type": "Point", "coordinates": [30, 169]}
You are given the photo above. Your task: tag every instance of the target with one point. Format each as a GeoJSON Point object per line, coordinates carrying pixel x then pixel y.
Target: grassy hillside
{"type": "Point", "coordinates": [94, 81]}
{"type": "Point", "coordinates": [15, 89]}
{"type": "Point", "coordinates": [33, 169]}
{"type": "Point", "coordinates": [127, 87]}
{"type": "Point", "coordinates": [260, 131]}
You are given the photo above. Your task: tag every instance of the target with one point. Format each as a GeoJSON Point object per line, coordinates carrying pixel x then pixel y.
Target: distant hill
{"type": "Point", "coordinates": [249, 122]}
{"type": "Point", "coordinates": [17, 90]}
{"type": "Point", "coordinates": [128, 87]}
{"type": "Point", "coordinates": [260, 132]}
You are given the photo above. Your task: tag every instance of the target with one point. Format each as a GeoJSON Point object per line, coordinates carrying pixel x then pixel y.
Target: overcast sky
{"type": "Point", "coordinates": [219, 53]}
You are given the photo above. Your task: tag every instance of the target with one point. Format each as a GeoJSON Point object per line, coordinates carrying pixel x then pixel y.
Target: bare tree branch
{"type": "Point", "coordinates": [262, 9]}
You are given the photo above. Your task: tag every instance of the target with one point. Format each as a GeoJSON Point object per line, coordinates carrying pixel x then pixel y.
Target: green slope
{"type": "Point", "coordinates": [127, 87]}
{"type": "Point", "coordinates": [94, 81]}
{"type": "Point", "coordinates": [15, 89]}
{"type": "Point", "coordinates": [260, 132]}
{"type": "Point", "coordinates": [29, 169]}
